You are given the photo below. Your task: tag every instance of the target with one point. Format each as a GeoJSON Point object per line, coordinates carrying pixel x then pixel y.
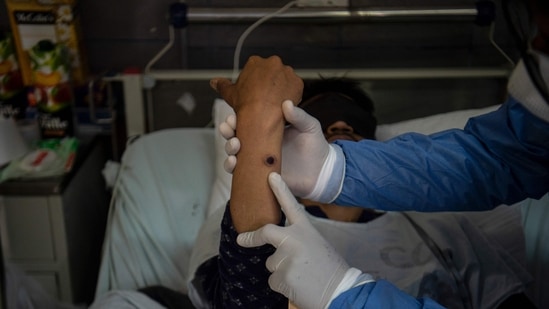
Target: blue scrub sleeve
{"type": "Point", "coordinates": [499, 158]}
{"type": "Point", "coordinates": [379, 295]}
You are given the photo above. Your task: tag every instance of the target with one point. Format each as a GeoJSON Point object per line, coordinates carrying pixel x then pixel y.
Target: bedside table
{"type": "Point", "coordinates": [53, 228]}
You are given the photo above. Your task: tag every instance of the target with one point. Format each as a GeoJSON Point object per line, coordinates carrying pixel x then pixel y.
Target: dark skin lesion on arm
{"type": "Point", "coordinates": [257, 98]}
{"type": "Point", "coordinates": [270, 160]}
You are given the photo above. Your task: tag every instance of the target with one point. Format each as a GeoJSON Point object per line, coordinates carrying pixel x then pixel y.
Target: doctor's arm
{"type": "Point", "coordinates": [499, 158]}
{"type": "Point", "coordinates": [309, 271]}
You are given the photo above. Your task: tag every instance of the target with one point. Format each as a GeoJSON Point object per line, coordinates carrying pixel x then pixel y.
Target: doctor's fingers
{"type": "Point", "coordinates": [268, 234]}
{"type": "Point", "coordinates": [281, 260]}
{"type": "Point", "coordinates": [232, 146]}
{"type": "Point", "coordinates": [294, 211]}
{"type": "Point", "coordinates": [277, 282]}
{"type": "Point", "coordinates": [228, 127]}
{"type": "Point", "coordinates": [299, 118]}
{"type": "Point", "coordinates": [229, 164]}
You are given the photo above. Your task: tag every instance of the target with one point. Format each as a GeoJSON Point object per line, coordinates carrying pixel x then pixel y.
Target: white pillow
{"type": "Point", "coordinates": [431, 124]}
{"type": "Point", "coordinates": [425, 125]}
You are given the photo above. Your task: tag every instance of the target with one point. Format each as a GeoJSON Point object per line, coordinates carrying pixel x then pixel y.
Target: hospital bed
{"type": "Point", "coordinates": [170, 180]}
{"type": "Point", "coordinates": [171, 177]}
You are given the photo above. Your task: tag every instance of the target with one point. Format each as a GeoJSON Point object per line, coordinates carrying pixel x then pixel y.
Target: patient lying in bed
{"type": "Point", "coordinates": [399, 247]}
{"type": "Point", "coordinates": [485, 249]}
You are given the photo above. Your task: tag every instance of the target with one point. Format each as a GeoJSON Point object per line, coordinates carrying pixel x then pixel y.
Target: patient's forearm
{"type": "Point", "coordinates": [260, 129]}
{"type": "Point", "coordinates": [257, 98]}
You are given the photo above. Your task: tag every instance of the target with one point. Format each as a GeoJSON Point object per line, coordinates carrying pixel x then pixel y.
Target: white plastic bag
{"type": "Point", "coordinates": [22, 292]}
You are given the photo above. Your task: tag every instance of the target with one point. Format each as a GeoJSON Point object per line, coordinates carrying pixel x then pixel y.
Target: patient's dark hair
{"type": "Point", "coordinates": [333, 99]}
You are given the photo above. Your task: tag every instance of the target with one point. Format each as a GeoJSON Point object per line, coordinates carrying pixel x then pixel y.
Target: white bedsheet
{"type": "Point", "coordinates": [157, 208]}
{"type": "Point", "coordinates": [170, 180]}
{"type": "Point", "coordinates": [487, 249]}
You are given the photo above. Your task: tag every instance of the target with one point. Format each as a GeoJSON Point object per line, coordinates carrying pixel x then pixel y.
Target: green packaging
{"type": "Point", "coordinates": [52, 90]}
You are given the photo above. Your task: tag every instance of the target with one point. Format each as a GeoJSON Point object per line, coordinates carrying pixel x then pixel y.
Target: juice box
{"type": "Point", "coordinates": [33, 21]}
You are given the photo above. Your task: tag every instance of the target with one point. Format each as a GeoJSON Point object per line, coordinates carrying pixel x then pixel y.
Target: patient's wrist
{"type": "Point", "coordinates": [260, 116]}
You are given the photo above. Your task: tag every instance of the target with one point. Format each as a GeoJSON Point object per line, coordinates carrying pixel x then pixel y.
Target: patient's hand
{"type": "Point", "coordinates": [262, 81]}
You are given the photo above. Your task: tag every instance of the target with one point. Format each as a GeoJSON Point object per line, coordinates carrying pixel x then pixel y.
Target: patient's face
{"type": "Point", "coordinates": [340, 116]}
{"type": "Point", "coordinates": [340, 130]}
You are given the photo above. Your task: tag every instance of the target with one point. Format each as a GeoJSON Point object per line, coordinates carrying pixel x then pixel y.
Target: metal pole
{"type": "Point", "coordinates": [133, 87]}
{"type": "Point", "coordinates": [224, 15]}
{"type": "Point", "coordinates": [361, 74]}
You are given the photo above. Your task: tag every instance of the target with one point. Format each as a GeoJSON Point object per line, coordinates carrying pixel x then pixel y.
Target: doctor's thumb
{"type": "Point", "coordinates": [299, 118]}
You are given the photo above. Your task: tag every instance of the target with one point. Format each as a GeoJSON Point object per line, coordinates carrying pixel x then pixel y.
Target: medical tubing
{"type": "Point", "coordinates": [246, 32]}
{"type": "Point", "coordinates": [162, 51]}
{"type": "Point", "coordinates": [148, 69]}
{"type": "Point", "coordinates": [491, 31]}
{"type": "Point", "coordinates": [445, 258]}
{"type": "Point", "coordinates": [487, 17]}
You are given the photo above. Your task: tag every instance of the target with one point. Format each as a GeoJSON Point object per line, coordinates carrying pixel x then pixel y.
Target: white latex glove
{"type": "Point", "coordinates": [305, 267]}
{"type": "Point", "coordinates": [311, 167]}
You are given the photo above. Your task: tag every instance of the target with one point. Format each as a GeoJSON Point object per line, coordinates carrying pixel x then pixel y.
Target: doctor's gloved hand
{"type": "Point", "coordinates": [311, 167]}
{"type": "Point", "coordinates": [305, 267]}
